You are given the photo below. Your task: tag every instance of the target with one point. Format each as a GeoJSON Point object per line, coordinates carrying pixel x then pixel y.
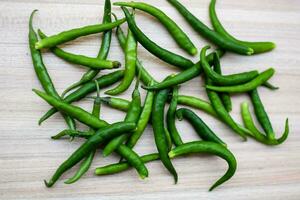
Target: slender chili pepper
{"type": "Point", "coordinates": [225, 97]}
{"type": "Point", "coordinates": [73, 111]}
{"type": "Point", "coordinates": [218, 105]}
{"type": "Point", "coordinates": [119, 167]}
{"type": "Point", "coordinates": [258, 47]}
{"type": "Point", "coordinates": [117, 103]}
{"type": "Point", "coordinates": [72, 134]}
{"type": "Point", "coordinates": [169, 139]}
{"type": "Point", "coordinates": [82, 169]}
{"type": "Point", "coordinates": [208, 147]}
{"type": "Point", "coordinates": [103, 52]}
{"type": "Point", "coordinates": [246, 87]}
{"type": "Point", "coordinates": [130, 65]}
{"type": "Point", "coordinates": [262, 115]}
{"type": "Point", "coordinates": [216, 38]}
{"type": "Point", "coordinates": [233, 79]}
{"type": "Point", "coordinates": [257, 135]}
{"type": "Point", "coordinates": [145, 77]}
{"type": "Point", "coordinates": [153, 48]}
{"type": "Point", "coordinates": [183, 76]}
{"type": "Point", "coordinates": [201, 128]}
{"type": "Point", "coordinates": [133, 159]}
{"type": "Point", "coordinates": [160, 99]}
{"type": "Point", "coordinates": [176, 32]}
{"type": "Point", "coordinates": [197, 103]}
{"type": "Point", "coordinates": [87, 88]}
{"type": "Point", "coordinates": [143, 120]}
{"type": "Point", "coordinates": [171, 127]}
{"type": "Point", "coordinates": [72, 34]}
{"type": "Point", "coordinates": [89, 145]}
{"type": "Point", "coordinates": [132, 115]}
{"type": "Point", "coordinates": [41, 70]}
{"type": "Point", "coordinates": [93, 63]}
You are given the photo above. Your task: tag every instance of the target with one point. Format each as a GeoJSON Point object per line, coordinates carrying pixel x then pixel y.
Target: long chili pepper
{"type": "Point", "coordinates": [122, 166]}
{"type": "Point", "coordinates": [73, 111]}
{"type": "Point", "coordinates": [132, 115]}
{"type": "Point", "coordinates": [233, 79]}
{"type": "Point", "coordinates": [72, 34]}
{"type": "Point", "coordinates": [72, 134]}
{"type": "Point", "coordinates": [103, 52]}
{"type": "Point", "coordinates": [133, 159]}
{"type": "Point", "coordinates": [130, 65]}
{"type": "Point", "coordinates": [92, 63]}
{"type": "Point", "coordinates": [262, 115]}
{"type": "Point", "coordinates": [225, 97]}
{"type": "Point", "coordinates": [218, 105]}
{"type": "Point", "coordinates": [145, 77]}
{"type": "Point", "coordinates": [246, 87]}
{"type": "Point", "coordinates": [87, 88]}
{"type": "Point", "coordinates": [160, 99]}
{"type": "Point", "coordinates": [143, 120]}
{"type": "Point", "coordinates": [153, 48]}
{"type": "Point", "coordinates": [258, 47]}
{"type": "Point", "coordinates": [41, 70]}
{"type": "Point", "coordinates": [102, 135]}
{"type": "Point", "coordinates": [183, 76]}
{"type": "Point", "coordinates": [201, 128]}
{"type": "Point", "coordinates": [216, 38]}
{"type": "Point", "coordinates": [85, 165]}
{"type": "Point", "coordinates": [179, 36]}
{"type": "Point", "coordinates": [208, 147]}
{"type": "Point", "coordinates": [171, 127]}
{"type": "Point", "coordinates": [256, 134]}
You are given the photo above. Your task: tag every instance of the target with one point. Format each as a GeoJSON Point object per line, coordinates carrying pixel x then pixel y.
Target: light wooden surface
{"type": "Point", "coordinates": [28, 155]}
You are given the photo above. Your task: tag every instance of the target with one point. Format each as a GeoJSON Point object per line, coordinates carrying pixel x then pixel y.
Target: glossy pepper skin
{"type": "Point", "coordinates": [41, 70]}
{"type": "Point", "coordinates": [163, 54]}
{"type": "Point", "coordinates": [175, 31]}
{"type": "Point", "coordinates": [102, 135]}
{"type": "Point", "coordinates": [160, 137]}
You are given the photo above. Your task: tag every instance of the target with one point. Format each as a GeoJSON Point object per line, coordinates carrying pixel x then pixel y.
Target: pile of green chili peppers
{"type": "Point", "coordinates": [121, 137]}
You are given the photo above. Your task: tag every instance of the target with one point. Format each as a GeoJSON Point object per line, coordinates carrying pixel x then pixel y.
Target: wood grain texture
{"type": "Point", "coordinates": [27, 155]}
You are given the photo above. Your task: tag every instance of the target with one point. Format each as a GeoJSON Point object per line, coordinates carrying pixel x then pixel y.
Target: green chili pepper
{"type": "Point", "coordinates": [160, 99]}
{"type": "Point", "coordinates": [201, 128]}
{"type": "Point", "coordinates": [171, 127]}
{"type": "Point", "coordinates": [216, 38]}
{"type": "Point", "coordinates": [258, 47]}
{"type": "Point", "coordinates": [143, 120]}
{"type": "Point", "coordinates": [130, 66]}
{"type": "Point", "coordinates": [183, 76]}
{"type": "Point", "coordinates": [133, 114]}
{"type": "Point", "coordinates": [225, 97]}
{"type": "Point", "coordinates": [103, 52]}
{"type": "Point", "coordinates": [208, 147]}
{"type": "Point", "coordinates": [72, 34]}
{"type": "Point", "coordinates": [179, 36]}
{"type": "Point", "coordinates": [93, 63]}
{"type": "Point", "coordinates": [153, 48]}
{"type": "Point", "coordinates": [218, 105]}
{"type": "Point", "coordinates": [246, 87]}
{"type": "Point", "coordinates": [262, 115]}
{"type": "Point", "coordinates": [233, 79]}
{"type": "Point", "coordinates": [72, 134]}
{"type": "Point", "coordinates": [117, 103]}
{"type": "Point", "coordinates": [73, 111]}
{"type": "Point", "coordinates": [133, 159]}
{"type": "Point", "coordinates": [89, 145]}
{"type": "Point", "coordinates": [256, 134]}
{"type": "Point", "coordinates": [119, 167]}
{"type": "Point", "coordinates": [145, 77]}
{"type": "Point", "coordinates": [41, 70]}
{"type": "Point", "coordinates": [83, 91]}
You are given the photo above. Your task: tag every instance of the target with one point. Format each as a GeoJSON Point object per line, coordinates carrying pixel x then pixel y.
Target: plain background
{"type": "Point", "coordinates": [28, 155]}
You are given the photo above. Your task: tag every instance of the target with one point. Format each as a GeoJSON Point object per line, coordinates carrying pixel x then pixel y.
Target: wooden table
{"type": "Point", "coordinates": [28, 155]}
